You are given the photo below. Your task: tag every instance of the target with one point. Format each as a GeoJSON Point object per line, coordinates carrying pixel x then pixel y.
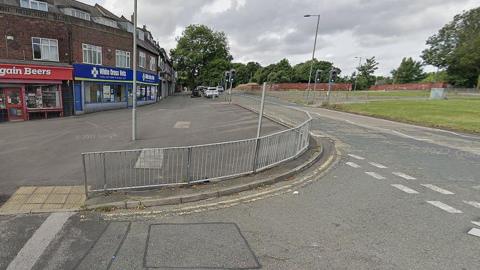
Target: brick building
{"type": "Point", "coordinates": [81, 56]}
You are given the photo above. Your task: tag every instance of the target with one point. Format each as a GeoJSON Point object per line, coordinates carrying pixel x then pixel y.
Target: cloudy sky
{"type": "Point", "coordinates": [269, 30]}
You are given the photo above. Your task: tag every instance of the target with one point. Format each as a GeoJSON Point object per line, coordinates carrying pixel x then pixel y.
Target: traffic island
{"type": "Point", "coordinates": [319, 153]}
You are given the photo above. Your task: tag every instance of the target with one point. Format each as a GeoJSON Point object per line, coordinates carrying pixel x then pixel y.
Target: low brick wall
{"type": "Point", "coordinates": [295, 86]}
{"type": "Point", "coordinates": [408, 86]}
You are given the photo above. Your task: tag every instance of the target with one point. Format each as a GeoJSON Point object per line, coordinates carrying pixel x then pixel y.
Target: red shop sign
{"type": "Point", "coordinates": [31, 72]}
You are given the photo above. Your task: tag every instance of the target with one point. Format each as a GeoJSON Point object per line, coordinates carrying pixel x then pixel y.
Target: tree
{"type": "Point", "coordinates": [365, 73]}
{"type": "Point", "coordinates": [455, 48]}
{"type": "Point", "coordinates": [409, 71]}
{"type": "Point", "coordinates": [433, 77]}
{"type": "Point", "coordinates": [245, 73]}
{"type": "Point", "coordinates": [201, 54]}
{"type": "Point", "coordinates": [302, 71]}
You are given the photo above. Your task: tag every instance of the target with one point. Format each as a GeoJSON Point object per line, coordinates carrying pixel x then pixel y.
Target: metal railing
{"type": "Point", "coordinates": [159, 167]}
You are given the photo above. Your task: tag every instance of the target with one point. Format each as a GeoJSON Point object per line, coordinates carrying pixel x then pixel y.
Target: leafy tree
{"type": "Point", "coordinates": [409, 71]}
{"type": "Point", "coordinates": [281, 72]}
{"type": "Point", "coordinates": [245, 73]}
{"type": "Point", "coordinates": [302, 71]}
{"type": "Point", "coordinates": [433, 77]}
{"type": "Point", "coordinates": [455, 48]}
{"type": "Point", "coordinates": [366, 77]}
{"type": "Point", "coordinates": [213, 72]}
{"type": "Point", "coordinates": [201, 54]}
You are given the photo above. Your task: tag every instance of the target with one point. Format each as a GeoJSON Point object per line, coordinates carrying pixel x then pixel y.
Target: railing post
{"type": "Point", "coordinates": [104, 173]}
{"type": "Point", "coordinates": [85, 175]}
{"type": "Point", "coordinates": [189, 165]}
{"type": "Point", "coordinates": [255, 157]}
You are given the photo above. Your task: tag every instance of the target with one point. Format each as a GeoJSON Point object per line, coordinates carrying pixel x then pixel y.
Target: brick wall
{"type": "Point", "coordinates": [296, 86]}
{"type": "Point", "coordinates": [23, 29]}
{"type": "Point", "coordinates": [408, 86]}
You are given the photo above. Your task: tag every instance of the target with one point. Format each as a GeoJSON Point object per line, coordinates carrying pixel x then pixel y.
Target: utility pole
{"type": "Point", "coordinates": [134, 90]}
{"type": "Point", "coordinates": [313, 54]}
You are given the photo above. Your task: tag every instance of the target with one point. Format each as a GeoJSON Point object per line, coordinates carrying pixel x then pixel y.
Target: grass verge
{"type": "Point", "coordinates": [458, 115]}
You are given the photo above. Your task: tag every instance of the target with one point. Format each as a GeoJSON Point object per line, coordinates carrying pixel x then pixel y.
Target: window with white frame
{"type": "Point", "coordinates": [142, 59]}
{"type": "Point", "coordinates": [32, 4]}
{"type": "Point", "coordinates": [123, 59]}
{"type": "Point", "coordinates": [92, 54]}
{"type": "Point", "coordinates": [153, 63]}
{"type": "Point", "coordinates": [105, 21]}
{"type": "Point", "coordinates": [80, 14]}
{"type": "Point", "coordinates": [141, 35]}
{"type": "Point", "coordinates": [45, 49]}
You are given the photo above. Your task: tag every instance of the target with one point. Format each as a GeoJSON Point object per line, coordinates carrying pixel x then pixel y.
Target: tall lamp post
{"type": "Point", "coordinates": [134, 90]}
{"type": "Point", "coordinates": [356, 77]}
{"type": "Point", "coordinates": [313, 54]}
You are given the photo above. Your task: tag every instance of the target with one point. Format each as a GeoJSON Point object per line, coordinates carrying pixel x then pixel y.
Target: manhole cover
{"type": "Point", "coordinates": [198, 246]}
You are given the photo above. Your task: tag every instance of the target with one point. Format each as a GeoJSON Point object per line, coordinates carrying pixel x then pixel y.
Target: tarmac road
{"type": "Point", "coordinates": [400, 197]}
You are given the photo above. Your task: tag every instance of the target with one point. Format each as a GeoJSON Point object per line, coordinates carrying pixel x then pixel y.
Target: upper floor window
{"type": "Point", "coordinates": [92, 54]}
{"type": "Point", "coordinates": [80, 14]}
{"type": "Point", "coordinates": [123, 59]}
{"type": "Point", "coordinates": [142, 60]}
{"type": "Point", "coordinates": [105, 21]}
{"type": "Point", "coordinates": [153, 63]}
{"type": "Point", "coordinates": [45, 49]}
{"type": "Point", "coordinates": [141, 35]}
{"type": "Point", "coordinates": [32, 4]}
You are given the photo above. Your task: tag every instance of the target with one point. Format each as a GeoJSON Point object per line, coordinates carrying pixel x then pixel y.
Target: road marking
{"type": "Point", "coordinates": [411, 137]}
{"type": "Point", "coordinates": [353, 165]}
{"type": "Point", "coordinates": [378, 165]}
{"type": "Point", "coordinates": [474, 232]}
{"type": "Point", "coordinates": [405, 189]}
{"type": "Point", "coordinates": [472, 203]}
{"type": "Point", "coordinates": [356, 157]}
{"type": "Point", "coordinates": [375, 175]}
{"type": "Point", "coordinates": [36, 245]}
{"type": "Point", "coordinates": [404, 176]}
{"type": "Point", "coordinates": [182, 124]}
{"type": "Point", "coordinates": [476, 223]}
{"type": "Point", "coordinates": [445, 207]}
{"type": "Point", "coordinates": [438, 189]}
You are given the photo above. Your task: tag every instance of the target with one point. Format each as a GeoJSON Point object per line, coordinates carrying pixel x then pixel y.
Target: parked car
{"type": "Point", "coordinates": [211, 92]}
{"type": "Point", "coordinates": [220, 89]}
{"type": "Point", "coordinates": [196, 92]}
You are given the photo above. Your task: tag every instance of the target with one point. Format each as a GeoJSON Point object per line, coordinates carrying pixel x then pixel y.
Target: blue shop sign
{"type": "Point", "coordinates": [147, 78]}
{"type": "Point", "coordinates": [101, 73]}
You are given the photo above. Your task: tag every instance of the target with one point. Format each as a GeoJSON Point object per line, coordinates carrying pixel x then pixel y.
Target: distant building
{"type": "Point", "coordinates": [64, 57]}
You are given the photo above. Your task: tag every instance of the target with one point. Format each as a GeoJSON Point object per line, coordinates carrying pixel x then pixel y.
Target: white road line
{"type": "Point", "coordinates": [356, 157]}
{"type": "Point", "coordinates": [404, 176]}
{"type": "Point", "coordinates": [375, 175]}
{"type": "Point", "coordinates": [473, 203]}
{"type": "Point", "coordinates": [36, 245]}
{"type": "Point", "coordinates": [445, 207]}
{"type": "Point", "coordinates": [378, 165]}
{"type": "Point", "coordinates": [438, 189]}
{"type": "Point", "coordinates": [476, 223]}
{"type": "Point", "coordinates": [474, 232]}
{"type": "Point", "coordinates": [353, 165]}
{"type": "Point", "coordinates": [405, 189]}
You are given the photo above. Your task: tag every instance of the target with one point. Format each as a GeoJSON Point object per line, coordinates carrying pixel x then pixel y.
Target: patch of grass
{"type": "Point", "coordinates": [460, 115]}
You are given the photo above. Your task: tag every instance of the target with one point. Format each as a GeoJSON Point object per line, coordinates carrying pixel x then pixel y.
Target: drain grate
{"type": "Point", "coordinates": [198, 246]}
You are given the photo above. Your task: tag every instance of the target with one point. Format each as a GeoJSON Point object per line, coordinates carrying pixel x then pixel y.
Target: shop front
{"type": "Point", "coordinates": [99, 88]}
{"type": "Point", "coordinates": [32, 91]}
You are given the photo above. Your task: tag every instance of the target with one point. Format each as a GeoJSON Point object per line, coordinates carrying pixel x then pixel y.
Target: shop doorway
{"type": "Point", "coordinates": [14, 104]}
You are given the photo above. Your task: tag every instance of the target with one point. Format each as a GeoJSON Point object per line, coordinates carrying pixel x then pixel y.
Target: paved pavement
{"type": "Point", "coordinates": [48, 152]}
{"type": "Point", "coordinates": [393, 201]}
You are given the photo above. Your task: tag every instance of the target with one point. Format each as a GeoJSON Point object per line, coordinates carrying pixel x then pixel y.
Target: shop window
{"type": "Point", "coordinates": [45, 49]}
{"type": "Point", "coordinates": [142, 60]}
{"type": "Point", "coordinates": [123, 59]}
{"type": "Point", "coordinates": [92, 54]}
{"type": "Point", "coordinates": [43, 97]}
{"type": "Point", "coordinates": [104, 93]}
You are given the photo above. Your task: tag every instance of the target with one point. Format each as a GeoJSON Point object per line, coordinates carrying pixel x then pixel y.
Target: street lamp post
{"type": "Point", "coordinates": [134, 90]}
{"type": "Point", "coordinates": [313, 54]}
{"type": "Point", "coordinates": [356, 77]}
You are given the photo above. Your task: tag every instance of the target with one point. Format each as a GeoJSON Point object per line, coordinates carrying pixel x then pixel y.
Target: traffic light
{"type": "Point", "coordinates": [227, 76]}
{"type": "Point", "coordinates": [233, 72]}
{"type": "Point", "coordinates": [334, 74]}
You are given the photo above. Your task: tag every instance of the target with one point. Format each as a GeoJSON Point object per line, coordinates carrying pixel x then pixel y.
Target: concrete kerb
{"type": "Point", "coordinates": [205, 195]}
